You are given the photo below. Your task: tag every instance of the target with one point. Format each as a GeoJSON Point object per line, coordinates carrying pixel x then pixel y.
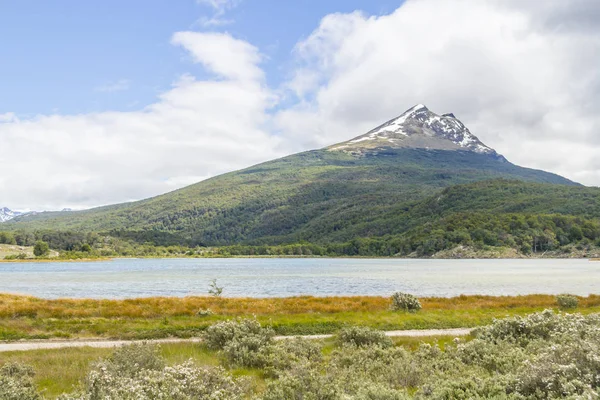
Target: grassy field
{"type": "Point", "coordinates": [62, 370]}
{"type": "Point", "coordinates": [23, 317]}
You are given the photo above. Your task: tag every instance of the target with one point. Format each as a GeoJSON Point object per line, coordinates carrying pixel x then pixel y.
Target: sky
{"type": "Point", "coordinates": [109, 101]}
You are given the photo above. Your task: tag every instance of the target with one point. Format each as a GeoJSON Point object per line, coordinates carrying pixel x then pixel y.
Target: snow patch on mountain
{"type": "Point", "coordinates": [395, 125]}
{"type": "Point", "coordinates": [7, 214]}
{"type": "Point", "coordinates": [418, 127]}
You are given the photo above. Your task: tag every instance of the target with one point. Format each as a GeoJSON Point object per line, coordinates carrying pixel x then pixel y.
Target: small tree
{"type": "Point", "coordinates": [215, 290]}
{"type": "Point", "coordinates": [41, 249]}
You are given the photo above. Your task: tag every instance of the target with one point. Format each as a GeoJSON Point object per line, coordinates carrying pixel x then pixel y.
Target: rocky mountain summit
{"type": "Point", "coordinates": [418, 127]}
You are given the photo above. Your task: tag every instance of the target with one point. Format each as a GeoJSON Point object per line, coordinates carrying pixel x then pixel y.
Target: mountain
{"type": "Point", "coordinates": [348, 190]}
{"type": "Point", "coordinates": [418, 127]}
{"type": "Point", "coordinates": [7, 214]}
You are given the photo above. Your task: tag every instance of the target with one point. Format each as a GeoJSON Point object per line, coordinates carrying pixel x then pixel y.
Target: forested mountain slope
{"type": "Point", "coordinates": [365, 187]}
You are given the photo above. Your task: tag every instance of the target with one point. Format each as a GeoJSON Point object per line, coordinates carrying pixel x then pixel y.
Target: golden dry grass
{"type": "Point", "coordinates": [14, 306]}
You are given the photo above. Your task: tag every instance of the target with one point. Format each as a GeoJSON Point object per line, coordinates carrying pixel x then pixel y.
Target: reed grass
{"type": "Point", "coordinates": [25, 317]}
{"type": "Point", "coordinates": [14, 306]}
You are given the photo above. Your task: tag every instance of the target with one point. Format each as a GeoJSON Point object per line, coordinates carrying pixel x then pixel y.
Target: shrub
{"type": "Point", "coordinates": [405, 302]}
{"type": "Point", "coordinates": [567, 301]}
{"type": "Point", "coordinates": [217, 336]}
{"type": "Point", "coordinates": [359, 336]}
{"type": "Point", "coordinates": [522, 329]}
{"type": "Point", "coordinates": [246, 351]}
{"type": "Point", "coordinates": [471, 387]}
{"type": "Point", "coordinates": [394, 366]}
{"type": "Point", "coordinates": [145, 377]}
{"type": "Point", "coordinates": [129, 360]}
{"type": "Point", "coordinates": [380, 392]}
{"type": "Point", "coordinates": [286, 354]}
{"type": "Point", "coordinates": [305, 382]}
{"type": "Point", "coordinates": [241, 341]}
{"type": "Point", "coordinates": [561, 370]}
{"type": "Point", "coordinates": [16, 383]}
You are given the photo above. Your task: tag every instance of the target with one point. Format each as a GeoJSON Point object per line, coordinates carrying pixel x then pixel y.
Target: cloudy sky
{"type": "Point", "coordinates": [110, 101]}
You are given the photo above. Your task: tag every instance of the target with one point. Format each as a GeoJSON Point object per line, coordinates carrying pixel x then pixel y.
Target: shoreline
{"type": "Point", "coordinates": [225, 299]}
{"type": "Point", "coordinates": [283, 257]}
{"type": "Point", "coordinates": [56, 260]}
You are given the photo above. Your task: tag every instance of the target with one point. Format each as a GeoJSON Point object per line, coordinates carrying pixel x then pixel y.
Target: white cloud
{"type": "Point", "coordinates": [221, 54]}
{"type": "Point", "coordinates": [117, 86]}
{"type": "Point", "coordinates": [8, 117]}
{"type": "Point", "coordinates": [198, 128]}
{"type": "Point", "coordinates": [521, 74]}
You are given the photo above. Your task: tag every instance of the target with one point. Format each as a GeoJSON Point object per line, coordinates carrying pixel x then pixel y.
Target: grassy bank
{"type": "Point", "coordinates": [23, 317]}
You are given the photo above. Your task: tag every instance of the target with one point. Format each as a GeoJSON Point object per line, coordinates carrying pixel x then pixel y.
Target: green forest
{"type": "Point", "coordinates": [530, 218]}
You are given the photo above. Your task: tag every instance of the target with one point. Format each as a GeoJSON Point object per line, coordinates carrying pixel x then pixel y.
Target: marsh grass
{"type": "Point", "coordinates": [23, 317]}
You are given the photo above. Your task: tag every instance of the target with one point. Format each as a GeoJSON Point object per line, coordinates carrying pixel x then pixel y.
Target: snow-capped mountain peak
{"type": "Point", "coordinates": [7, 214]}
{"type": "Point", "coordinates": [418, 127]}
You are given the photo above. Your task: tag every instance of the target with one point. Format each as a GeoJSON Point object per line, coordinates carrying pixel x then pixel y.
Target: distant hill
{"type": "Point", "coordinates": [380, 183]}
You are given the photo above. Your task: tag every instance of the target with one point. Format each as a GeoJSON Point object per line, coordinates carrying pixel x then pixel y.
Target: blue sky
{"type": "Point", "coordinates": [106, 101]}
{"type": "Point", "coordinates": [73, 57]}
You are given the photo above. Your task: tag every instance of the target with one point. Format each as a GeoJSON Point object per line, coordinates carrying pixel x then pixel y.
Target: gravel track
{"type": "Point", "coordinates": [60, 344]}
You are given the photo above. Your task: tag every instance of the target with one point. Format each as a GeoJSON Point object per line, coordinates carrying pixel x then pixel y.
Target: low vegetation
{"type": "Point", "coordinates": [545, 355]}
{"type": "Point", "coordinates": [23, 317]}
{"type": "Point", "coordinates": [567, 301]}
{"type": "Point", "coordinates": [405, 302]}
{"type": "Point", "coordinates": [360, 336]}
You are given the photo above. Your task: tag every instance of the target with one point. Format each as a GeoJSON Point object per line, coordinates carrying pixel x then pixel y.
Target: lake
{"type": "Point", "coordinates": [272, 277]}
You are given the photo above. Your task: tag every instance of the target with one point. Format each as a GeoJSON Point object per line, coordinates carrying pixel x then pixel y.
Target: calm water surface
{"type": "Point", "coordinates": [291, 277]}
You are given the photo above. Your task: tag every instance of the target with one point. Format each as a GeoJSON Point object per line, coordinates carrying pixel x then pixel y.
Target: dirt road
{"type": "Point", "coordinates": [59, 344]}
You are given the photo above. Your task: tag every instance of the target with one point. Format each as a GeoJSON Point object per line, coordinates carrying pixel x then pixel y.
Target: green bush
{"type": "Point", "coordinates": [405, 302]}
{"type": "Point", "coordinates": [16, 383]}
{"type": "Point", "coordinates": [129, 360]}
{"type": "Point", "coordinates": [217, 336]}
{"type": "Point", "coordinates": [394, 366]}
{"type": "Point", "coordinates": [380, 392]}
{"type": "Point", "coordinates": [241, 341]}
{"type": "Point", "coordinates": [567, 301]}
{"type": "Point", "coordinates": [359, 336]}
{"type": "Point", "coordinates": [136, 372]}
{"type": "Point", "coordinates": [284, 355]}
{"type": "Point", "coordinates": [305, 382]}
